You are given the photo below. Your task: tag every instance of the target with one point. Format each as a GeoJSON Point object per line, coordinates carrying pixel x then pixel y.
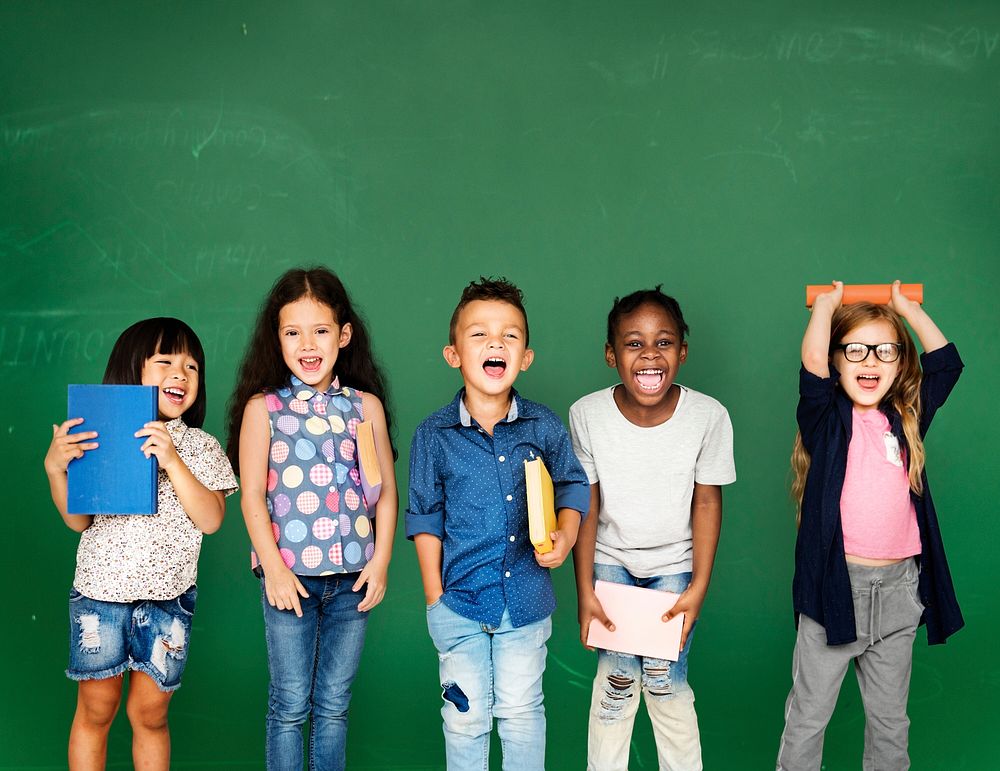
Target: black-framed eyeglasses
{"type": "Point", "coordinates": [856, 352]}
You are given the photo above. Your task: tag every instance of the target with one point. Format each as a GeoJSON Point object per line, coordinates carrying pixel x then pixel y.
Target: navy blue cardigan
{"type": "Point", "coordinates": [821, 588]}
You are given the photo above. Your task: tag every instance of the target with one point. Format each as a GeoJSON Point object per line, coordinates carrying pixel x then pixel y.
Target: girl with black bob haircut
{"type": "Point", "coordinates": [134, 592]}
{"type": "Point", "coordinates": [145, 338]}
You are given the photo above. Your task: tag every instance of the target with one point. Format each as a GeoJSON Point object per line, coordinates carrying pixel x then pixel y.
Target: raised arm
{"type": "Point", "coordinates": [931, 338]}
{"type": "Point", "coordinates": [816, 340]}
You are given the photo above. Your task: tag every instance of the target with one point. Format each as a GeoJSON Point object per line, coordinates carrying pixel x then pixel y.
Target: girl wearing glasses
{"type": "Point", "coordinates": [869, 562]}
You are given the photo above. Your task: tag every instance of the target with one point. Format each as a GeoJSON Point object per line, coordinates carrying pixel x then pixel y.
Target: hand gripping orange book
{"type": "Point", "coordinates": [541, 504]}
{"type": "Point", "coordinates": [880, 294]}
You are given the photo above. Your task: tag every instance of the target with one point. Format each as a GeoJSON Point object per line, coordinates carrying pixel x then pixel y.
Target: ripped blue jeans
{"type": "Point", "coordinates": [622, 677]}
{"type": "Point", "coordinates": [489, 672]}
{"type": "Point", "coordinates": [150, 636]}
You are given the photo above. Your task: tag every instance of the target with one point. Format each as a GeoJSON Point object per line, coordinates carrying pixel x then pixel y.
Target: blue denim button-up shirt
{"type": "Point", "coordinates": [467, 488]}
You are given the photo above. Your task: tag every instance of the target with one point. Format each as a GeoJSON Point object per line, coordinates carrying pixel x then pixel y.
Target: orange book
{"type": "Point", "coordinates": [371, 473]}
{"type": "Point", "coordinates": [541, 504]}
{"type": "Point", "coordinates": [880, 294]}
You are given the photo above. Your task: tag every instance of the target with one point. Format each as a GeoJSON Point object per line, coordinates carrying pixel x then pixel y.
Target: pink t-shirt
{"type": "Point", "coordinates": [876, 512]}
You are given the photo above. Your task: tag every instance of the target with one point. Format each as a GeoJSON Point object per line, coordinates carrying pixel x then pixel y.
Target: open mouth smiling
{"type": "Point", "coordinates": [649, 379]}
{"type": "Point", "coordinates": [174, 395]}
{"type": "Point", "coordinates": [311, 363]}
{"type": "Point", "coordinates": [495, 367]}
{"type": "Point", "coordinates": [868, 382]}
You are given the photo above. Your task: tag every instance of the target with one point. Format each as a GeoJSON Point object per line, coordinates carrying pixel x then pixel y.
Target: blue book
{"type": "Point", "coordinates": [115, 478]}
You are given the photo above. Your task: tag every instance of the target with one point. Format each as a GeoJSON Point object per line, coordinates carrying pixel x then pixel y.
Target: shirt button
{"type": "Point", "coordinates": [512, 539]}
{"type": "Point", "coordinates": [501, 459]}
{"type": "Point", "coordinates": [510, 497]}
{"type": "Point", "coordinates": [507, 574]}
{"type": "Point", "coordinates": [333, 489]}
{"type": "Point", "coordinates": [329, 459]}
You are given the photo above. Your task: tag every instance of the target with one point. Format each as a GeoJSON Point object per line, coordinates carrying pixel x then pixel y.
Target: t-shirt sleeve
{"type": "Point", "coordinates": [212, 468]}
{"type": "Point", "coordinates": [425, 500]}
{"type": "Point", "coordinates": [715, 464]}
{"type": "Point", "coordinates": [580, 434]}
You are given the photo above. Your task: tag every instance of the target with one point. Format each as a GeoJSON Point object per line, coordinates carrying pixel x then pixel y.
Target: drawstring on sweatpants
{"type": "Point", "coordinates": [874, 596]}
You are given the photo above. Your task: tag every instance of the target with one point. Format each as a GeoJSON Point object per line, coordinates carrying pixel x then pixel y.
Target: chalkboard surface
{"type": "Point", "coordinates": [174, 158]}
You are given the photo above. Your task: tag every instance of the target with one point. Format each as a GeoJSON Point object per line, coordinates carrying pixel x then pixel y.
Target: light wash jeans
{"type": "Point", "coordinates": [669, 698]}
{"type": "Point", "coordinates": [312, 661]}
{"type": "Point", "coordinates": [489, 672]}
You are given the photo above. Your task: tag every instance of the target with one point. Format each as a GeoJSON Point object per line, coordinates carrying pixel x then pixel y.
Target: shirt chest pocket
{"type": "Point", "coordinates": [893, 454]}
{"type": "Point", "coordinates": [519, 453]}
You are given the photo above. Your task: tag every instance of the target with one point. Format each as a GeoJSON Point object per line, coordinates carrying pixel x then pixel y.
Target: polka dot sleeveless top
{"type": "Point", "coordinates": [318, 512]}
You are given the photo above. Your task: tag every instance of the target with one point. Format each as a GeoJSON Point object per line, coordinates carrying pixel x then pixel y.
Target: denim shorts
{"type": "Point", "coordinates": [150, 636]}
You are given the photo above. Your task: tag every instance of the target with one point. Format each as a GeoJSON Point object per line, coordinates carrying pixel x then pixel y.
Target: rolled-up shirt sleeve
{"type": "Point", "coordinates": [425, 505]}
{"type": "Point", "coordinates": [572, 488]}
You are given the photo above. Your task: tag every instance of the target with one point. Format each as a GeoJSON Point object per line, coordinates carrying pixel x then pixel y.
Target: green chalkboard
{"type": "Point", "coordinates": [174, 158]}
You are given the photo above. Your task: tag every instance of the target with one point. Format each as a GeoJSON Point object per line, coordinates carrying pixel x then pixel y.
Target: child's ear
{"type": "Point", "coordinates": [684, 352]}
{"type": "Point", "coordinates": [609, 356]}
{"type": "Point", "coordinates": [451, 356]}
{"type": "Point", "coordinates": [345, 334]}
{"type": "Point", "coordinates": [529, 356]}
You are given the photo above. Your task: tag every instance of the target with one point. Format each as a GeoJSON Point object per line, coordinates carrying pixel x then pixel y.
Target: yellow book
{"type": "Point", "coordinates": [541, 505]}
{"type": "Point", "coordinates": [371, 474]}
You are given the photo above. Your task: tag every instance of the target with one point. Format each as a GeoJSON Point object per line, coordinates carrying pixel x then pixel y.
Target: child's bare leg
{"type": "Point", "coordinates": [96, 705]}
{"type": "Point", "coordinates": [147, 712]}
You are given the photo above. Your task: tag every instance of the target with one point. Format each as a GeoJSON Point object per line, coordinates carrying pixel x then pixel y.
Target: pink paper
{"type": "Point", "coordinates": [637, 615]}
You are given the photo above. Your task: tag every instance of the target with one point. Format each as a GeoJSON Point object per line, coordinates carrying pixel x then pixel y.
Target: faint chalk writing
{"type": "Point", "coordinates": [198, 147]}
{"type": "Point", "coordinates": [209, 195]}
{"type": "Point", "coordinates": [231, 260]}
{"type": "Point", "coordinates": [957, 47]}
{"type": "Point", "coordinates": [23, 345]}
{"type": "Point", "coordinates": [774, 149]}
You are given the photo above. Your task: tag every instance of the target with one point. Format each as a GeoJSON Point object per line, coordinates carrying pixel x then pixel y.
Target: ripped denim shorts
{"type": "Point", "coordinates": [150, 636]}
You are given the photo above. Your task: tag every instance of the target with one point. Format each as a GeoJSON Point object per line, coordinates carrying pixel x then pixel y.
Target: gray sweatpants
{"type": "Point", "coordinates": [887, 610]}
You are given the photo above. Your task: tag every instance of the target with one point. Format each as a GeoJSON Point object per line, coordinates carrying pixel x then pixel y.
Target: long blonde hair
{"type": "Point", "coordinates": [903, 395]}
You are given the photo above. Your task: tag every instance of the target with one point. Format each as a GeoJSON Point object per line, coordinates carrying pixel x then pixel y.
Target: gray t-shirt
{"type": "Point", "coordinates": [647, 476]}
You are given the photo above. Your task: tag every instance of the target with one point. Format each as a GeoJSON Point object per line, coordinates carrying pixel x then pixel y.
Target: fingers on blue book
{"type": "Point", "coordinates": [116, 477]}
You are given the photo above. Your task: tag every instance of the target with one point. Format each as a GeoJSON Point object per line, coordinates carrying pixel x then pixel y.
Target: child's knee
{"type": "Point", "coordinates": [98, 702]}
{"type": "Point", "coordinates": [95, 719]}
{"type": "Point", "coordinates": [147, 712]}
{"type": "Point", "coordinates": [462, 714]}
{"type": "Point", "coordinates": [617, 691]}
{"type": "Point", "coordinates": [657, 680]}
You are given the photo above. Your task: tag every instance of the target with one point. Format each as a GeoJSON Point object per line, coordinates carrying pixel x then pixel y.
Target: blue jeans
{"type": "Point", "coordinates": [489, 672]}
{"type": "Point", "coordinates": [151, 636]}
{"type": "Point", "coordinates": [621, 677]}
{"type": "Point", "coordinates": [312, 661]}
